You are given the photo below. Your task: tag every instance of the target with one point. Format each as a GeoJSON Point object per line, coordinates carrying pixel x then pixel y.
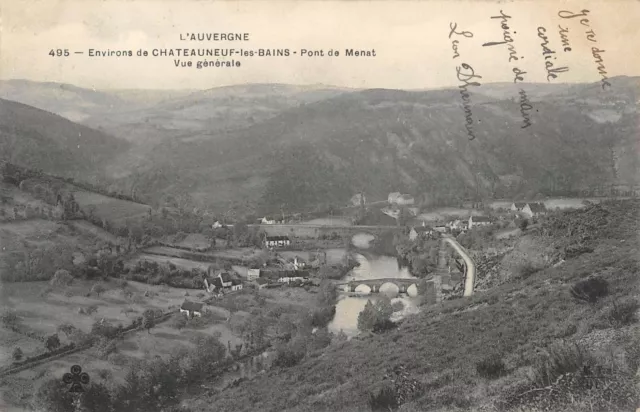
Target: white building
{"type": "Point", "coordinates": [478, 221]}
{"type": "Point", "coordinates": [191, 309]}
{"type": "Point", "coordinates": [534, 209]}
{"type": "Point", "coordinates": [277, 241]}
{"type": "Point", "coordinates": [253, 274]}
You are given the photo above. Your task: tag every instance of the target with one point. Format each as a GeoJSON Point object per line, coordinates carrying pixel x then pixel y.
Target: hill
{"type": "Point", "coordinates": [202, 115]}
{"type": "Point", "coordinates": [37, 139]}
{"type": "Point", "coordinates": [511, 346]}
{"type": "Point", "coordinates": [77, 103]}
{"type": "Point", "coordinates": [382, 141]}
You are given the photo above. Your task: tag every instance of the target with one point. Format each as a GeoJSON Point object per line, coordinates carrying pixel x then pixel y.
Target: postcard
{"type": "Point", "coordinates": [289, 205]}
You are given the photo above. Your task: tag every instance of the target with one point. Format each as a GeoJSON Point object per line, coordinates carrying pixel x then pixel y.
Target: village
{"type": "Point", "coordinates": [295, 271]}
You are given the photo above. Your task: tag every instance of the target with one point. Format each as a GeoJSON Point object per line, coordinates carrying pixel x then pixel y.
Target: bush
{"type": "Point", "coordinates": [491, 367]}
{"type": "Point", "coordinates": [397, 306]}
{"type": "Point", "coordinates": [560, 359]}
{"type": "Point", "coordinates": [61, 278]}
{"type": "Point", "coordinates": [623, 313]}
{"type": "Point", "coordinates": [525, 270]}
{"type": "Point", "coordinates": [569, 378]}
{"type": "Point", "coordinates": [384, 400]}
{"type": "Point", "coordinates": [179, 321]}
{"type": "Point", "coordinates": [590, 290]}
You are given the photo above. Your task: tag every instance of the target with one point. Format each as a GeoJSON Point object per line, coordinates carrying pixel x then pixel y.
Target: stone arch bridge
{"type": "Point", "coordinates": [375, 284]}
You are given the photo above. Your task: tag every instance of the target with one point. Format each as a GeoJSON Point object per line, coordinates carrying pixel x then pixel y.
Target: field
{"type": "Point", "coordinates": [329, 221]}
{"type": "Point", "coordinates": [109, 208]}
{"type": "Point", "coordinates": [11, 197]}
{"type": "Point", "coordinates": [238, 253]}
{"type": "Point", "coordinates": [179, 262]}
{"type": "Point", "coordinates": [195, 241]}
{"type": "Point", "coordinates": [444, 212]}
{"type": "Point", "coordinates": [42, 311]}
{"type": "Point", "coordinates": [87, 227]}
{"type": "Point", "coordinates": [20, 236]}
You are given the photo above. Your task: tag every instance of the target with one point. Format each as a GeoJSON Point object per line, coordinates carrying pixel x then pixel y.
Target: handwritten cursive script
{"type": "Point", "coordinates": [466, 74]}
{"type": "Point", "coordinates": [591, 36]}
{"type": "Point", "coordinates": [506, 36]}
{"type": "Point", "coordinates": [549, 56]}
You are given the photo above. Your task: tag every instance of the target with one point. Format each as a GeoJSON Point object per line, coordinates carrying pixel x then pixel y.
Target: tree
{"type": "Point", "coordinates": [524, 224]}
{"type": "Point", "coordinates": [241, 233]}
{"type": "Point", "coordinates": [98, 289]}
{"type": "Point", "coordinates": [322, 338]}
{"type": "Point", "coordinates": [17, 354]}
{"type": "Point", "coordinates": [54, 396]}
{"type": "Point", "coordinates": [376, 316]}
{"type": "Point", "coordinates": [366, 318]}
{"type": "Point", "coordinates": [52, 342]}
{"type": "Point", "coordinates": [67, 329]}
{"type": "Point", "coordinates": [148, 320]}
{"type": "Point", "coordinates": [328, 293]}
{"type": "Point", "coordinates": [62, 277]}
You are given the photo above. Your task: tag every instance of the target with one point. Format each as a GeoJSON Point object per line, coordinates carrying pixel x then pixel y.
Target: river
{"type": "Point", "coordinates": [371, 267]}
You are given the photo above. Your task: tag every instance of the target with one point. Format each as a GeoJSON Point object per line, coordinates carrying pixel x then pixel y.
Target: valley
{"type": "Point", "coordinates": [196, 248]}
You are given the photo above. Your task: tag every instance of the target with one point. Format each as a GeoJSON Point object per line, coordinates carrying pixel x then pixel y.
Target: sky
{"type": "Point", "coordinates": [410, 38]}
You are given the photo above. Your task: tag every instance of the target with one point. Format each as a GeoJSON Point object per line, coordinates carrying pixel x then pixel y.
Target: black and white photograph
{"type": "Point", "coordinates": [319, 206]}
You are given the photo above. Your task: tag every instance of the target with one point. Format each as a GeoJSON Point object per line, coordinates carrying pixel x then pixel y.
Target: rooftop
{"type": "Point", "coordinates": [191, 306]}
{"type": "Point", "coordinates": [537, 207]}
{"type": "Point", "coordinates": [277, 238]}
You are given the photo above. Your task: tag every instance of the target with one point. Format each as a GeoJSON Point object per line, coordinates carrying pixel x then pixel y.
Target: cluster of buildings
{"type": "Point", "coordinates": [272, 242]}
{"type": "Point", "coordinates": [530, 210]}
{"type": "Point", "coordinates": [218, 281]}
{"type": "Point", "coordinates": [527, 210]}
{"type": "Point", "coordinates": [399, 199]}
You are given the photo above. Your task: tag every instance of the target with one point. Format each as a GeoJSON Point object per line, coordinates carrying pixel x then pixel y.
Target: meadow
{"type": "Point", "coordinates": [113, 210]}
{"type": "Point", "coordinates": [41, 309]}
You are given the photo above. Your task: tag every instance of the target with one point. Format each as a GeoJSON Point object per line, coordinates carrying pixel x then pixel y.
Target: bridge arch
{"type": "Point", "coordinates": [390, 289]}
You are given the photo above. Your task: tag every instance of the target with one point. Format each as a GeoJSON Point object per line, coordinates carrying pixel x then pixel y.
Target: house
{"type": "Point", "coordinates": [253, 274]}
{"type": "Point", "coordinates": [191, 309]}
{"type": "Point", "coordinates": [478, 221]}
{"type": "Point", "coordinates": [291, 279]}
{"type": "Point", "coordinates": [534, 209]}
{"type": "Point", "coordinates": [276, 241]}
{"type": "Point", "coordinates": [440, 229]}
{"type": "Point", "coordinates": [405, 200]}
{"type": "Point", "coordinates": [216, 225]}
{"type": "Point", "coordinates": [419, 231]}
{"type": "Point", "coordinates": [399, 199]}
{"type": "Point", "coordinates": [236, 284]}
{"type": "Point", "coordinates": [358, 199]}
{"type": "Point", "coordinates": [226, 279]}
{"type": "Point", "coordinates": [393, 197]}
{"type": "Point", "coordinates": [268, 221]}
{"type": "Point", "coordinates": [214, 284]}
{"type": "Point", "coordinates": [219, 280]}
{"type": "Point", "coordinates": [298, 263]}
{"type": "Point", "coordinates": [457, 224]}
{"type": "Point", "coordinates": [517, 206]}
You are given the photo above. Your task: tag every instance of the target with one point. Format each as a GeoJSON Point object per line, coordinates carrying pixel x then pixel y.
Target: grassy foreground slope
{"type": "Point", "coordinates": [483, 353]}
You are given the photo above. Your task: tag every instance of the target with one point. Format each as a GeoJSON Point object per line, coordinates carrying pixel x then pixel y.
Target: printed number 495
{"type": "Point", "coordinates": [59, 52]}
